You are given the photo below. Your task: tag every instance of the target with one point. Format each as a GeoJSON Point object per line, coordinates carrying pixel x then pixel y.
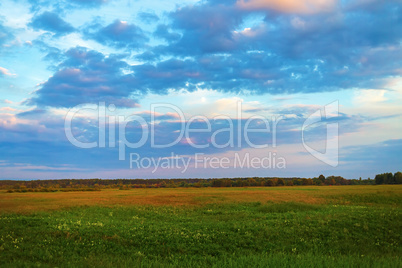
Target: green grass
{"type": "Point", "coordinates": [348, 231]}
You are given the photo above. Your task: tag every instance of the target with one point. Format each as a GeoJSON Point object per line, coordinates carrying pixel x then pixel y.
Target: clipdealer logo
{"type": "Point", "coordinates": [237, 130]}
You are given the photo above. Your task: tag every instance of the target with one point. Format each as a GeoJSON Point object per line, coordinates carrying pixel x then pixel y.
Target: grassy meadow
{"type": "Point", "coordinates": [315, 226]}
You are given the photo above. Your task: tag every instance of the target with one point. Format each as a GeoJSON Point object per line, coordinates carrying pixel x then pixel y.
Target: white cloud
{"type": "Point", "coordinates": [369, 96]}
{"type": "Point", "coordinates": [6, 72]}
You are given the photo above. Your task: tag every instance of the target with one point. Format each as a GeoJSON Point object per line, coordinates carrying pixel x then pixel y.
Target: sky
{"type": "Point", "coordinates": [200, 89]}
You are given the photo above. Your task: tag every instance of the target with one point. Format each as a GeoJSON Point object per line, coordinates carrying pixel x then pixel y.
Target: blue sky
{"type": "Point", "coordinates": [276, 59]}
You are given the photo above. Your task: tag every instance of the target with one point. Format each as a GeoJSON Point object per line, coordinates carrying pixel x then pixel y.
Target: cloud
{"type": "Point", "coordinates": [163, 31]}
{"type": "Point", "coordinates": [207, 28]}
{"type": "Point", "coordinates": [118, 34]}
{"type": "Point", "coordinates": [373, 159]}
{"type": "Point", "coordinates": [170, 74]}
{"type": "Point", "coordinates": [36, 137]}
{"type": "Point", "coordinates": [8, 109]}
{"type": "Point", "coordinates": [369, 96]}
{"type": "Point", "coordinates": [5, 72]}
{"type": "Point", "coordinates": [89, 3]}
{"type": "Point", "coordinates": [50, 21]}
{"type": "Point", "coordinates": [87, 76]}
{"type": "Point", "coordinates": [147, 115]}
{"type": "Point", "coordinates": [252, 72]}
{"type": "Point", "coordinates": [63, 5]}
{"type": "Point", "coordinates": [34, 113]}
{"type": "Point", "coordinates": [6, 34]}
{"type": "Point", "coordinates": [148, 17]}
{"type": "Point", "coordinates": [216, 45]}
{"type": "Point", "coordinates": [6, 101]}
{"type": "Point", "coordinates": [289, 6]}
{"type": "Point", "coordinates": [235, 50]}
{"type": "Point", "coordinates": [52, 54]}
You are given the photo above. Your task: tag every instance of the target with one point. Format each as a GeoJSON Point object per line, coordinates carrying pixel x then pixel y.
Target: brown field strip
{"type": "Point", "coordinates": [31, 202]}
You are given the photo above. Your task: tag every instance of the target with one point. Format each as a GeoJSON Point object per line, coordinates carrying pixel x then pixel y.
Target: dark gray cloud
{"type": "Point", "coordinates": [50, 21]}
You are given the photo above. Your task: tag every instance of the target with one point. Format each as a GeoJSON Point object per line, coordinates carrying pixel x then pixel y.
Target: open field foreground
{"type": "Point", "coordinates": [315, 226]}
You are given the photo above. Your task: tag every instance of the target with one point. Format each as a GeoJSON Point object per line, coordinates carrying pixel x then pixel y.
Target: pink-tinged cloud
{"type": "Point", "coordinates": [5, 101]}
{"type": "Point", "coordinates": [6, 72]}
{"type": "Point", "coordinates": [7, 109]}
{"type": "Point", "coordinates": [289, 6]}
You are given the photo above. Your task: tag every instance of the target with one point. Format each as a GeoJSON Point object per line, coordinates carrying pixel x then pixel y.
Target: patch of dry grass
{"type": "Point", "coordinates": [30, 202]}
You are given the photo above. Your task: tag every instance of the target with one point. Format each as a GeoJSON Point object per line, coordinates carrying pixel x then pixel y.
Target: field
{"type": "Point", "coordinates": [316, 226]}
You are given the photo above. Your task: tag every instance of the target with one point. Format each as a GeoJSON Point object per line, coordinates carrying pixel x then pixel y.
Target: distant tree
{"type": "Point", "coordinates": [388, 178]}
{"type": "Point", "coordinates": [385, 178]}
{"type": "Point", "coordinates": [379, 179]}
{"type": "Point", "coordinates": [252, 182]}
{"type": "Point", "coordinates": [185, 184]}
{"type": "Point", "coordinates": [226, 183]}
{"type": "Point", "coordinates": [237, 183]}
{"type": "Point", "coordinates": [280, 182]}
{"type": "Point", "coordinates": [398, 178]}
{"type": "Point", "coordinates": [321, 178]}
{"type": "Point", "coordinates": [330, 180]}
{"type": "Point", "coordinates": [307, 182]}
{"type": "Point", "coordinates": [297, 182]}
{"type": "Point", "coordinates": [317, 181]}
{"type": "Point", "coordinates": [354, 182]}
{"type": "Point", "coordinates": [17, 186]}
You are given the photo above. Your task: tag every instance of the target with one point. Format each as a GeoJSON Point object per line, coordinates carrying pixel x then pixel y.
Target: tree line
{"type": "Point", "coordinates": [126, 184]}
{"type": "Point", "coordinates": [388, 178]}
